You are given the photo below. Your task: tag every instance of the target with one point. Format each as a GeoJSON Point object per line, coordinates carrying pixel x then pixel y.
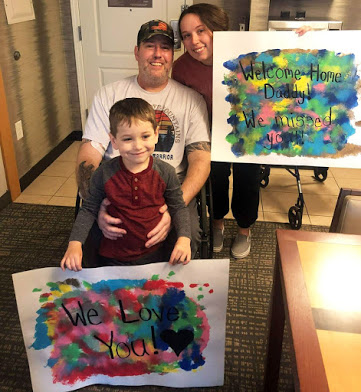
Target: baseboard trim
{"type": "Point", "coordinates": [5, 200]}
{"type": "Point", "coordinates": [36, 170]}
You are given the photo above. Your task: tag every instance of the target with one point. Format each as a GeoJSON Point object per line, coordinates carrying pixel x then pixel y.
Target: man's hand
{"type": "Point", "coordinates": [107, 223]}
{"type": "Point", "coordinates": [73, 257]}
{"type": "Point", "coordinates": [182, 251]}
{"type": "Point", "coordinates": [160, 232]}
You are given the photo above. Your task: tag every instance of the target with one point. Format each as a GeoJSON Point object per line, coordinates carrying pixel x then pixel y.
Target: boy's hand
{"type": "Point", "coordinates": [181, 252]}
{"type": "Point", "coordinates": [107, 223]}
{"type": "Point", "coordinates": [73, 257]}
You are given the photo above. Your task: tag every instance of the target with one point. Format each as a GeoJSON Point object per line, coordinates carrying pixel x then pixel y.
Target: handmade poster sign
{"type": "Point", "coordinates": [287, 100]}
{"type": "Point", "coordinates": [155, 324]}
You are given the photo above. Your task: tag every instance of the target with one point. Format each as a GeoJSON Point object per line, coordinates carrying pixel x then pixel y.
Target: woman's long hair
{"type": "Point", "coordinates": [213, 17]}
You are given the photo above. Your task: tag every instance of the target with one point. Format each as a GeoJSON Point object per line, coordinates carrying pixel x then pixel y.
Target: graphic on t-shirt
{"type": "Point", "coordinates": [166, 132]}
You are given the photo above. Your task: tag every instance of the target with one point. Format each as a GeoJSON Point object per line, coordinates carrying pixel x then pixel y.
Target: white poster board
{"type": "Point", "coordinates": [286, 100]}
{"type": "Point", "coordinates": [155, 324]}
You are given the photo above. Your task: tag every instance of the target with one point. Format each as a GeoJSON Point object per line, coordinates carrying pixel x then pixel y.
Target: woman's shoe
{"type": "Point", "coordinates": [241, 246]}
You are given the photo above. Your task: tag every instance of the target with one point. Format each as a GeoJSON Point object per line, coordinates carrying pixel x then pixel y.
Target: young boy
{"type": "Point", "coordinates": [137, 185]}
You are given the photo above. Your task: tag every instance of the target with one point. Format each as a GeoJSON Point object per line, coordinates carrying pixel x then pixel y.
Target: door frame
{"type": "Point", "coordinates": [78, 51]}
{"type": "Point", "coordinates": [7, 146]}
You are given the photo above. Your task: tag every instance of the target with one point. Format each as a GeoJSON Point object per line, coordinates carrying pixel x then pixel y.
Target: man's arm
{"type": "Point", "coordinates": [88, 160]}
{"type": "Point", "coordinates": [199, 166]}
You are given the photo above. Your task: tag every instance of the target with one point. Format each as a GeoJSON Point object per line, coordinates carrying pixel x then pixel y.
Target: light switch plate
{"type": "Point", "coordinates": [19, 10]}
{"type": "Point", "coordinates": [19, 130]}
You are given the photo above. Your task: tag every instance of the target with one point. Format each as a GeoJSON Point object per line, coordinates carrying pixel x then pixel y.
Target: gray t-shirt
{"type": "Point", "coordinates": [181, 113]}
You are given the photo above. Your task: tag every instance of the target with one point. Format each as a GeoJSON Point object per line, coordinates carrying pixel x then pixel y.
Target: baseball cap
{"type": "Point", "coordinates": [152, 28]}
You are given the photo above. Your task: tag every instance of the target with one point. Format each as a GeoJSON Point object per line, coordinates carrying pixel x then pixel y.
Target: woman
{"type": "Point", "coordinates": [194, 69]}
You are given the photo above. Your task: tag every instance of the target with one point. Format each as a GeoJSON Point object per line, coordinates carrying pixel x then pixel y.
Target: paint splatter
{"type": "Point", "coordinates": [120, 328]}
{"type": "Point", "coordinates": [199, 287]}
{"type": "Point", "coordinates": [292, 102]}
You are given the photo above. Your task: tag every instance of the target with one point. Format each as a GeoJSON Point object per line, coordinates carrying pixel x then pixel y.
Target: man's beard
{"type": "Point", "coordinates": [155, 80]}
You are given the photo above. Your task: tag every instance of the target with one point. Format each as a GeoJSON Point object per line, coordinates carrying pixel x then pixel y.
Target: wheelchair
{"type": "Point", "coordinates": [205, 212]}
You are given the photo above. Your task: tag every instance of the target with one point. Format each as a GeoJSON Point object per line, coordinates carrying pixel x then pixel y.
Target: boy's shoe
{"type": "Point", "coordinates": [217, 240]}
{"type": "Point", "coordinates": [241, 246]}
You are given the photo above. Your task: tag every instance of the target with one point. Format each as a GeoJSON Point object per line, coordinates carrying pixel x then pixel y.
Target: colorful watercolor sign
{"type": "Point", "coordinates": [143, 325]}
{"type": "Point", "coordinates": [288, 100]}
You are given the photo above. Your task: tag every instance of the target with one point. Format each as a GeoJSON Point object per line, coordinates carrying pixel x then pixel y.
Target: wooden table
{"type": "Point", "coordinates": [317, 287]}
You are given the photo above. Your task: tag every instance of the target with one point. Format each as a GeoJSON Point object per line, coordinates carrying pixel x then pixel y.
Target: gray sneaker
{"type": "Point", "coordinates": [241, 246]}
{"type": "Point", "coordinates": [217, 240]}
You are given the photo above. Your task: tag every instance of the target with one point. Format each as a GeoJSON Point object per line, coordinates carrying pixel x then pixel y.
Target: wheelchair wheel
{"type": "Point", "coordinates": [295, 217]}
{"type": "Point", "coordinates": [320, 173]}
{"type": "Point", "coordinates": [203, 224]}
{"type": "Point", "coordinates": [205, 213]}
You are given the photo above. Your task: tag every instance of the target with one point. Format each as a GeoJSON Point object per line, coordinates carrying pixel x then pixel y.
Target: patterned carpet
{"type": "Point", "coordinates": [34, 236]}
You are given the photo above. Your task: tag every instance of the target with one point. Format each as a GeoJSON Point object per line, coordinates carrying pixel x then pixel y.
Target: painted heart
{"type": "Point", "coordinates": [177, 341]}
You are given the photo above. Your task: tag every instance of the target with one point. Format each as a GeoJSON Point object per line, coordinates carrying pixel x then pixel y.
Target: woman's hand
{"type": "Point", "coordinates": [303, 30]}
{"type": "Point", "coordinates": [182, 251]}
{"type": "Point", "coordinates": [73, 257]}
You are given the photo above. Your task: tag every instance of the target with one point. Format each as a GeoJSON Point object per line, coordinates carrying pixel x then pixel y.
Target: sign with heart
{"type": "Point", "coordinates": [152, 324]}
{"type": "Point", "coordinates": [177, 341]}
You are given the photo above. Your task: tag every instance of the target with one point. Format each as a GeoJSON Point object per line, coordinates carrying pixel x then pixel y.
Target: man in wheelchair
{"type": "Point", "coordinates": [181, 113]}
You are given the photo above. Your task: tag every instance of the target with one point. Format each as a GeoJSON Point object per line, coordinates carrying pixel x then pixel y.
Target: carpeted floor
{"type": "Point", "coordinates": [35, 236]}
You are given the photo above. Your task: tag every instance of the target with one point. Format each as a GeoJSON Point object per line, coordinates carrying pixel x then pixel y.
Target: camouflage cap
{"type": "Point", "coordinates": [152, 28]}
